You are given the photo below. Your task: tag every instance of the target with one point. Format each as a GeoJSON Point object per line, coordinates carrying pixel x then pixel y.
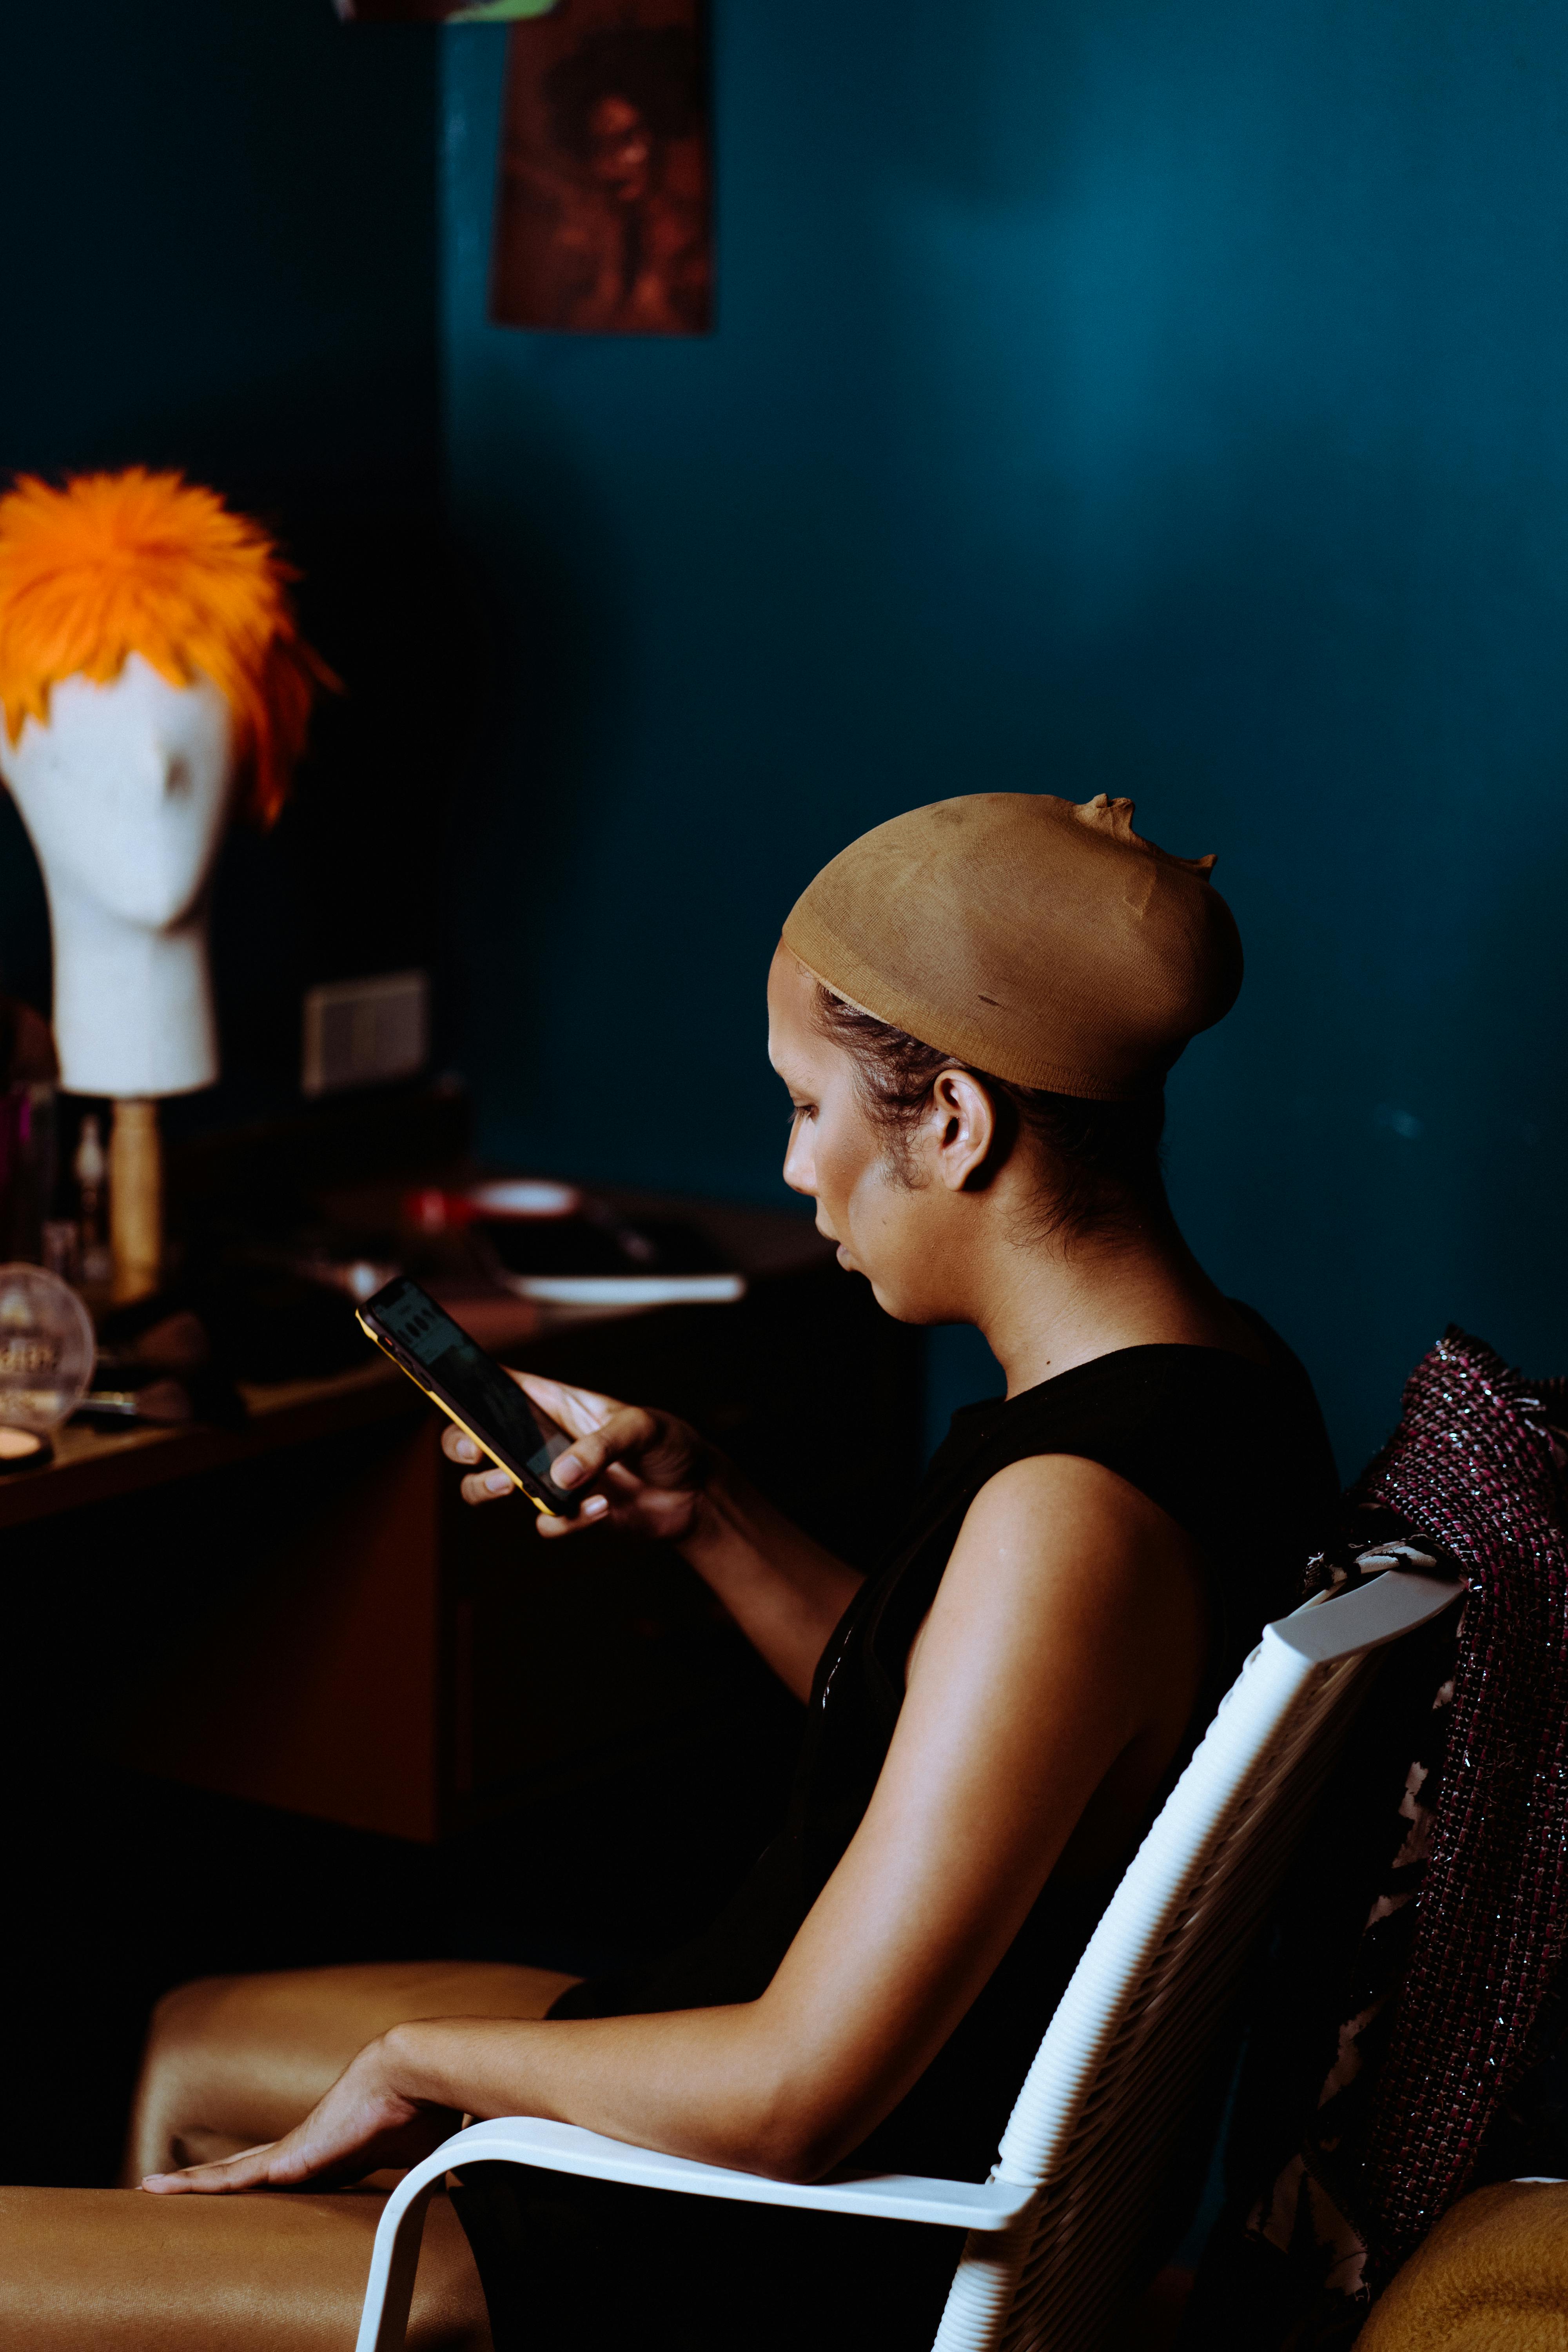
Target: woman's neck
{"type": "Point", "coordinates": [1047, 1308]}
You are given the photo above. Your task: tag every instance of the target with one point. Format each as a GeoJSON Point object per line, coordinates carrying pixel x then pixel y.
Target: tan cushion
{"type": "Point", "coordinates": [1493, 2274]}
{"type": "Point", "coordinates": [116, 2270]}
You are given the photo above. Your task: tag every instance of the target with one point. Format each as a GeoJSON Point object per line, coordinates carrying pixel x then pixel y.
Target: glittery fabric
{"type": "Point", "coordinates": [1410, 2037]}
{"type": "Point", "coordinates": [1476, 1464]}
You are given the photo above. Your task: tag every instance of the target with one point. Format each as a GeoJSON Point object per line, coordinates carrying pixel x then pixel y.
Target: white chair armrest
{"type": "Point", "coordinates": [566, 2148]}
{"type": "Point", "coordinates": [893, 2196]}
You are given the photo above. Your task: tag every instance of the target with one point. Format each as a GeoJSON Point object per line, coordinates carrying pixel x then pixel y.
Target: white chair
{"type": "Point", "coordinates": [1054, 2231]}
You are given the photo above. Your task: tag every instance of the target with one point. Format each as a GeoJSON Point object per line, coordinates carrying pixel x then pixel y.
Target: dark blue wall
{"type": "Point", "coordinates": [1168, 399]}
{"type": "Point", "coordinates": [219, 221]}
{"type": "Point", "coordinates": [1163, 396]}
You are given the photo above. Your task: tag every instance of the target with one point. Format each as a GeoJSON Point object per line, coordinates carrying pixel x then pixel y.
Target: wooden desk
{"type": "Point", "coordinates": [96, 1466]}
{"type": "Point", "coordinates": [301, 1612]}
{"type": "Point", "coordinates": [570, 1754]}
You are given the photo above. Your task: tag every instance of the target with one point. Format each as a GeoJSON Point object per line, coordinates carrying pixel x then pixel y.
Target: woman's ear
{"type": "Point", "coordinates": [959, 1132]}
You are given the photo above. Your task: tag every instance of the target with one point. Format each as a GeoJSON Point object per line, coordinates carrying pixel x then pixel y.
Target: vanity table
{"type": "Point", "coordinates": [273, 1697]}
{"type": "Point", "coordinates": [301, 1612]}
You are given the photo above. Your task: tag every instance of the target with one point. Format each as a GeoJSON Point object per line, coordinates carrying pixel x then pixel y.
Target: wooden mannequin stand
{"type": "Point", "coordinates": [135, 1199]}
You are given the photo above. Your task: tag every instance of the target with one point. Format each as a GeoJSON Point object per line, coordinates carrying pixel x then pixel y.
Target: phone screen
{"type": "Point", "coordinates": [494, 1407]}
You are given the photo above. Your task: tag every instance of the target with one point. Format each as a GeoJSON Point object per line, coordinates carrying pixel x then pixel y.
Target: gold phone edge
{"type": "Point", "coordinates": [441, 1406]}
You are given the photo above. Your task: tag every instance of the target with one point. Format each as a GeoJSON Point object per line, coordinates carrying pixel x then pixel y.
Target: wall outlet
{"type": "Point", "coordinates": [364, 1033]}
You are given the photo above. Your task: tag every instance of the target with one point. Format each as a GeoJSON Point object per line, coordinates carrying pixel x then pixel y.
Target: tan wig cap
{"type": "Point", "coordinates": [1038, 939]}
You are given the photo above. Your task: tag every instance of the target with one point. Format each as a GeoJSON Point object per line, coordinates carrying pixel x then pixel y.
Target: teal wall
{"type": "Point", "coordinates": [1162, 396]}
{"type": "Point", "coordinates": [1171, 399]}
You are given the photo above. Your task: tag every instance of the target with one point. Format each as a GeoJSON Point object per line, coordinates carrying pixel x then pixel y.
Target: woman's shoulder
{"type": "Point", "coordinates": [1202, 1432]}
{"type": "Point", "coordinates": [1064, 1504]}
{"type": "Point", "coordinates": [1063, 1541]}
{"type": "Point", "coordinates": [1131, 1388]}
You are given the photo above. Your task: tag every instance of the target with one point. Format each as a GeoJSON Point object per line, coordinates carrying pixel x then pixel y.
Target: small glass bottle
{"type": "Point", "coordinates": [91, 1168]}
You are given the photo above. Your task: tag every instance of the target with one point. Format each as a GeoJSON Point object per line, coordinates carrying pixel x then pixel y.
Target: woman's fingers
{"type": "Point", "coordinates": [364, 2122]}
{"type": "Point", "coordinates": [485, 1484]}
{"type": "Point", "coordinates": [655, 1512]}
{"type": "Point", "coordinates": [595, 1512]}
{"type": "Point", "coordinates": [488, 1486]}
{"type": "Point", "coordinates": [576, 1411]}
{"type": "Point", "coordinates": [581, 1412]}
{"type": "Point", "coordinates": [628, 1466]}
{"type": "Point", "coordinates": [251, 2169]}
{"type": "Point", "coordinates": [626, 1430]}
{"type": "Point", "coordinates": [621, 1501]}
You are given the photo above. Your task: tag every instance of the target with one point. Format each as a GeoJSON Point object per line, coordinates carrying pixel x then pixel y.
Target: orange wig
{"type": "Point", "coordinates": [114, 564]}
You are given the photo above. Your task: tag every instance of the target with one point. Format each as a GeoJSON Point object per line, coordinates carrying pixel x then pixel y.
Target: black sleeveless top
{"type": "Point", "coordinates": [1237, 1454]}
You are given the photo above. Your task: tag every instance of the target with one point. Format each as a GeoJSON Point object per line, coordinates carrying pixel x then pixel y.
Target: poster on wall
{"type": "Point", "coordinates": [603, 221]}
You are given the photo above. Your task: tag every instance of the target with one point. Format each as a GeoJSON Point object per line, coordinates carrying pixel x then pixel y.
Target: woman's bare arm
{"type": "Point", "coordinates": [1047, 1693]}
{"type": "Point", "coordinates": [649, 1474]}
{"type": "Point", "coordinates": [786, 1591]}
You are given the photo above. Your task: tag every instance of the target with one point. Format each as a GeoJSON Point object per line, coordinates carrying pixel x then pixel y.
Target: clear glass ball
{"type": "Point", "coordinates": [46, 1349]}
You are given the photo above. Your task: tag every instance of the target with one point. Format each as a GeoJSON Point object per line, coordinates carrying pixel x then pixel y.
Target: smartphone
{"type": "Point", "coordinates": [470, 1389]}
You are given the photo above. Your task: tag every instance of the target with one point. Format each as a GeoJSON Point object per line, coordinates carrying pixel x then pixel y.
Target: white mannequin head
{"type": "Point", "coordinates": [125, 795]}
{"type": "Point", "coordinates": [126, 791]}
{"type": "Point", "coordinates": [148, 660]}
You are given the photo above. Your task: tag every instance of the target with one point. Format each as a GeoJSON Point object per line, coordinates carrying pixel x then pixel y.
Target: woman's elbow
{"type": "Point", "coordinates": [800, 2158]}
{"type": "Point", "coordinates": [800, 2136]}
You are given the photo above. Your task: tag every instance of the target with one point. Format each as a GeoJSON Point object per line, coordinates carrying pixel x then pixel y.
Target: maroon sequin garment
{"type": "Point", "coordinates": [1476, 1464]}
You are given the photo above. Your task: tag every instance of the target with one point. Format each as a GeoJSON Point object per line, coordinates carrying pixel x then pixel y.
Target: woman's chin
{"type": "Point", "coordinates": [889, 1301]}
{"type": "Point", "coordinates": [901, 1309]}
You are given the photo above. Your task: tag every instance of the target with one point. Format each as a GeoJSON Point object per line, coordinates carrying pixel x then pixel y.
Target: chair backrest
{"type": "Point", "coordinates": [1099, 2120]}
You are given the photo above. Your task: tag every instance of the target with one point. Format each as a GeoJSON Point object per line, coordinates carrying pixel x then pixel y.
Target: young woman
{"type": "Point", "coordinates": [972, 1010]}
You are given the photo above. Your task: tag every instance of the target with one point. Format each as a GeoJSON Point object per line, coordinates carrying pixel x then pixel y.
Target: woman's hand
{"type": "Point", "coordinates": [365, 2123]}
{"type": "Point", "coordinates": [640, 1471]}
{"type": "Point", "coordinates": [650, 1474]}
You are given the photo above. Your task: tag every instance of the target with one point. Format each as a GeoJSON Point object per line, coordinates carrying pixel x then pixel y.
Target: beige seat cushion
{"type": "Point", "coordinates": [1492, 2277]}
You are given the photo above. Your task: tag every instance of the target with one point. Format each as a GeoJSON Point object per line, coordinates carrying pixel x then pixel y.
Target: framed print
{"type": "Point", "coordinates": [603, 217]}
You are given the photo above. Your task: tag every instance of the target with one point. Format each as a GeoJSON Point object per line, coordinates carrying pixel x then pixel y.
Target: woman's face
{"type": "Point", "coordinates": [838, 1157]}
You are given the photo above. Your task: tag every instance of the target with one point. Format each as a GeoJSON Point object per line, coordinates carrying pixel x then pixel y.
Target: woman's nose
{"type": "Point", "coordinates": [798, 1171]}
